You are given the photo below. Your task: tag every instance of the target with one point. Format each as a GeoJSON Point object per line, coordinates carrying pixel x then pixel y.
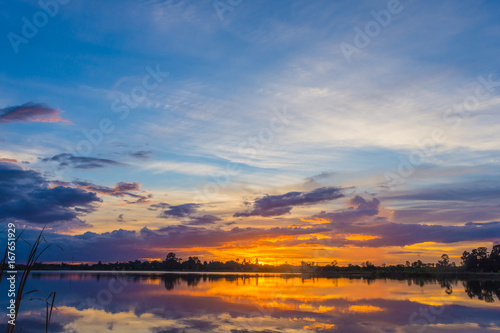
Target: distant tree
{"type": "Point", "coordinates": [417, 264]}
{"type": "Point", "coordinates": [172, 262]}
{"type": "Point", "coordinates": [445, 261]}
{"type": "Point", "coordinates": [495, 258]}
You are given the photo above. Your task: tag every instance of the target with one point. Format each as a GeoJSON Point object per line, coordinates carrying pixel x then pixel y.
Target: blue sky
{"type": "Point", "coordinates": [260, 104]}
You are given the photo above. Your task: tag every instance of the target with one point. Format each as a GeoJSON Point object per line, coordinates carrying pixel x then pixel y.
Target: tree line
{"type": "Point", "coordinates": [478, 260]}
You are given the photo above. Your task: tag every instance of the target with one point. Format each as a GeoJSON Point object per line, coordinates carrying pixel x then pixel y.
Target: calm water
{"type": "Point", "coordinates": [161, 303]}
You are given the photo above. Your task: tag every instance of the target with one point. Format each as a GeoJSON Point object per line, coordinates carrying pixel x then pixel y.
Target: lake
{"type": "Point", "coordinates": [161, 303]}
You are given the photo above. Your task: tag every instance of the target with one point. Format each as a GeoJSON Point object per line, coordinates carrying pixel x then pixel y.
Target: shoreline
{"type": "Point", "coordinates": [372, 275]}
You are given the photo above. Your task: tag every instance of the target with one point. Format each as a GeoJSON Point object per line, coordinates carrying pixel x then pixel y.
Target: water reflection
{"type": "Point", "coordinates": [483, 290]}
{"type": "Point", "coordinates": [143, 302]}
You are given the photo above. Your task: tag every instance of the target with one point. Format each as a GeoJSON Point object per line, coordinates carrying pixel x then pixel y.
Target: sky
{"type": "Point", "coordinates": [283, 130]}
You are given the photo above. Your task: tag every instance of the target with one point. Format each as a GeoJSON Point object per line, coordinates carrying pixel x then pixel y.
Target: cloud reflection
{"type": "Point", "coordinates": [260, 303]}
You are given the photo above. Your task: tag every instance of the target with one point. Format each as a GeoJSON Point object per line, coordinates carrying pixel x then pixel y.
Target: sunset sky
{"type": "Point", "coordinates": [278, 130]}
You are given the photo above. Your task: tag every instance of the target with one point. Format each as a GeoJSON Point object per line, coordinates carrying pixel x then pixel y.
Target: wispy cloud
{"type": "Point", "coordinates": [141, 154]}
{"type": "Point", "coordinates": [122, 189]}
{"type": "Point", "coordinates": [81, 162]}
{"type": "Point", "coordinates": [190, 168]}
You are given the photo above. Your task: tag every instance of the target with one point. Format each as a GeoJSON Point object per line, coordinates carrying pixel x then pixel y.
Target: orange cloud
{"type": "Point", "coordinates": [364, 308]}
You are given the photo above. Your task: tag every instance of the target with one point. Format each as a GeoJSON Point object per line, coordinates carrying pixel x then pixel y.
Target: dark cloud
{"type": "Point", "coordinates": [121, 190]}
{"type": "Point", "coordinates": [203, 220]}
{"type": "Point", "coordinates": [161, 205]}
{"type": "Point", "coordinates": [189, 212]}
{"type": "Point", "coordinates": [184, 210]}
{"type": "Point", "coordinates": [127, 244]}
{"type": "Point", "coordinates": [30, 112]}
{"type": "Point", "coordinates": [447, 213]}
{"type": "Point", "coordinates": [141, 199]}
{"type": "Point", "coordinates": [398, 234]}
{"type": "Point", "coordinates": [120, 218]}
{"type": "Point", "coordinates": [26, 195]}
{"type": "Point", "coordinates": [360, 208]}
{"type": "Point", "coordinates": [81, 162]}
{"type": "Point", "coordinates": [450, 203]}
{"type": "Point", "coordinates": [275, 205]}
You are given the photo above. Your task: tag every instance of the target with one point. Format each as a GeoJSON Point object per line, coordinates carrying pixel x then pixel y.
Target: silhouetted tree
{"type": "Point", "coordinates": [444, 262]}
{"type": "Point", "coordinates": [172, 263]}
{"type": "Point", "coordinates": [478, 260]}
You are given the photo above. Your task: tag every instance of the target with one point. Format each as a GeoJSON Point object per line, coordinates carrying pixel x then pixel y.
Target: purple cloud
{"type": "Point", "coordinates": [361, 208]}
{"type": "Point", "coordinates": [81, 162]}
{"type": "Point", "coordinates": [30, 113]}
{"type": "Point", "coordinates": [275, 205]}
{"type": "Point", "coordinates": [26, 195]}
{"type": "Point", "coordinates": [203, 220]}
{"type": "Point", "coordinates": [184, 210]}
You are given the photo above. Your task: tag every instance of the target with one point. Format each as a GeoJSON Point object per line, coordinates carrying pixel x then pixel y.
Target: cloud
{"type": "Point", "coordinates": [26, 195]}
{"type": "Point", "coordinates": [189, 212]}
{"type": "Point", "coordinates": [141, 154]}
{"type": "Point", "coordinates": [160, 205]}
{"type": "Point", "coordinates": [275, 205]}
{"type": "Point", "coordinates": [8, 160]}
{"type": "Point", "coordinates": [399, 234]}
{"type": "Point", "coordinates": [120, 218]}
{"type": "Point", "coordinates": [203, 220]}
{"type": "Point", "coordinates": [81, 162]}
{"type": "Point", "coordinates": [315, 181]}
{"type": "Point", "coordinates": [31, 113]}
{"type": "Point", "coordinates": [188, 168]}
{"type": "Point", "coordinates": [121, 190]}
{"type": "Point", "coordinates": [477, 191]}
{"type": "Point", "coordinates": [184, 210]}
{"type": "Point", "coordinates": [128, 244]}
{"type": "Point", "coordinates": [405, 252]}
{"type": "Point", "coordinates": [361, 208]}
{"type": "Point", "coordinates": [350, 222]}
